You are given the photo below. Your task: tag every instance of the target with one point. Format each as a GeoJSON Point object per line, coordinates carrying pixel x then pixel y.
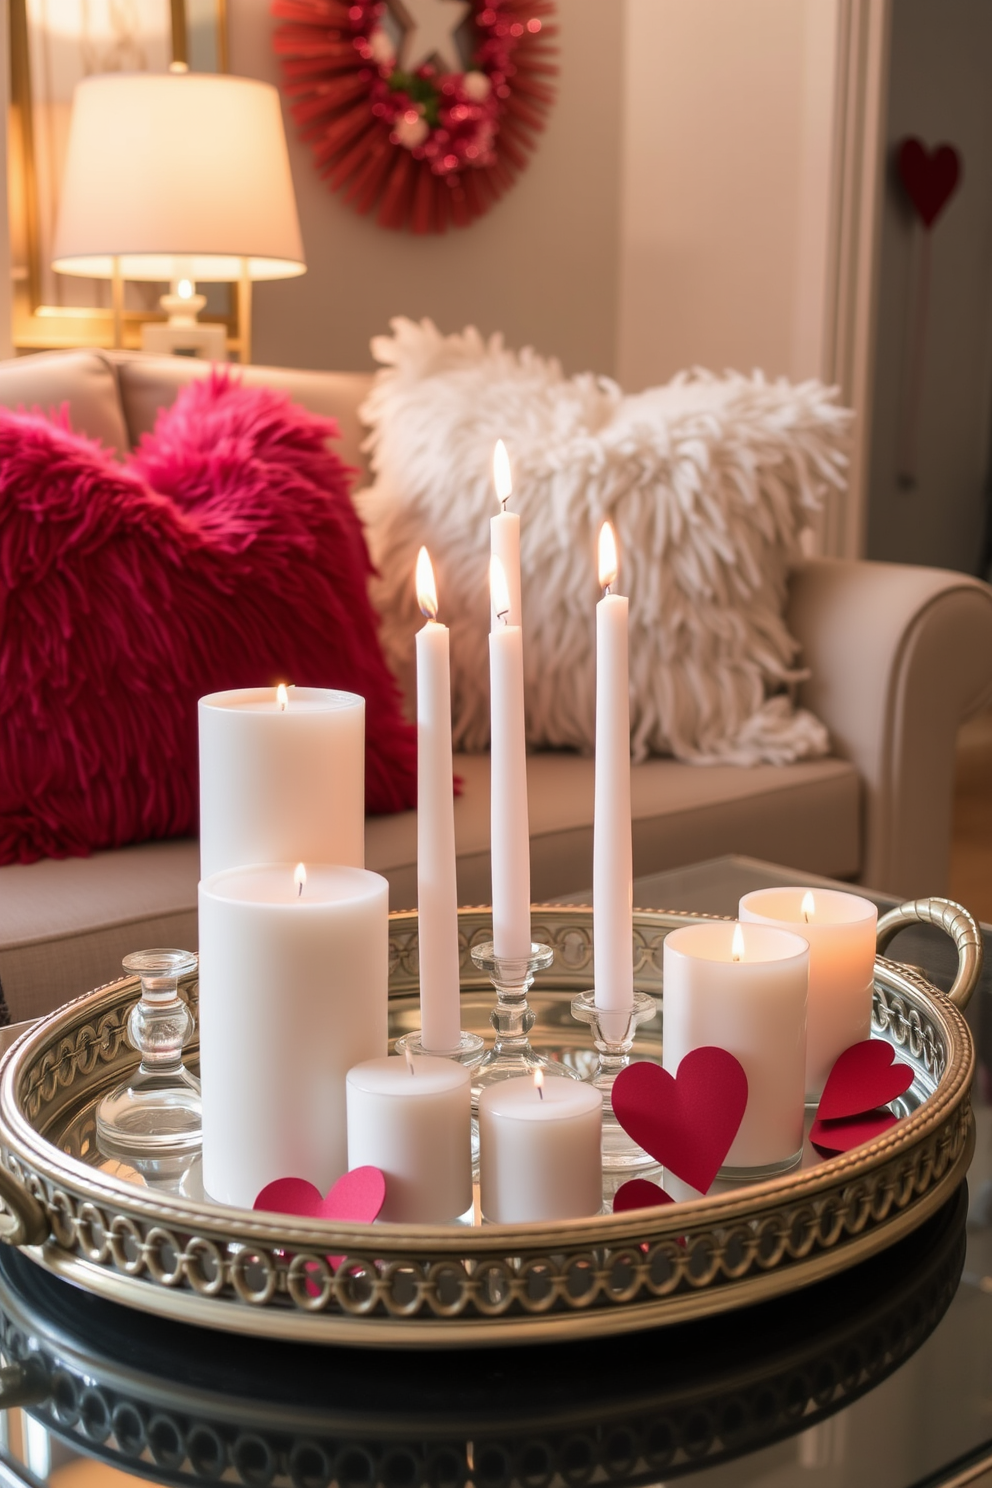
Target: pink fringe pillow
{"type": "Point", "coordinates": [227, 554]}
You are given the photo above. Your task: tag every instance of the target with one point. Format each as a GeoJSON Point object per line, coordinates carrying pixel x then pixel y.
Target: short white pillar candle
{"type": "Point", "coordinates": [293, 992]}
{"type": "Point", "coordinates": [282, 777]}
{"type": "Point", "coordinates": [840, 929]}
{"type": "Point", "coordinates": [743, 989]}
{"type": "Point", "coordinates": [412, 1119]}
{"type": "Point", "coordinates": [540, 1150]}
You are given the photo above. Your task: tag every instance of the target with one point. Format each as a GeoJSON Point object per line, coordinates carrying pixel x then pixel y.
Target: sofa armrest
{"type": "Point", "coordinates": [899, 657]}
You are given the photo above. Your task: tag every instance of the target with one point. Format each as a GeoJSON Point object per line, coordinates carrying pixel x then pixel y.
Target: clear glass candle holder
{"type": "Point", "coordinates": [513, 1018]}
{"type": "Point", "coordinates": [155, 1114]}
{"type": "Point", "coordinates": [613, 1038]}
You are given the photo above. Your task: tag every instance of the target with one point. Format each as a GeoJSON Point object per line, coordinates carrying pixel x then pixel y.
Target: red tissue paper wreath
{"type": "Point", "coordinates": [425, 149]}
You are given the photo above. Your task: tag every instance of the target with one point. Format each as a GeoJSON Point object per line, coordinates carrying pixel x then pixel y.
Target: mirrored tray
{"type": "Point", "coordinates": [155, 1243]}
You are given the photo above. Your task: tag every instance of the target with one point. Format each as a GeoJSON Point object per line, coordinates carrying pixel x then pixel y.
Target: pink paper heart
{"type": "Point", "coordinates": [687, 1122]}
{"type": "Point", "coordinates": [851, 1131]}
{"type": "Point", "coordinates": [863, 1077]}
{"type": "Point", "coordinates": [357, 1197]}
{"type": "Point", "coordinates": [639, 1193]}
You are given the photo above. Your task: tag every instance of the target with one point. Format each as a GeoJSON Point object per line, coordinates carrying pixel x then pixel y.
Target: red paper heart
{"type": "Point", "coordinates": [853, 1131]}
{"type": "Point", "coordinates": [639, 1193]}
{"type": "Point", "coordinates": [357, 1196]}
{"type": "Point", "coordinates": [930, 177]}
{"type": "Point", "coordinates": [863, 1077]}
{"type": "Point", "coordinates": [688, 1121]}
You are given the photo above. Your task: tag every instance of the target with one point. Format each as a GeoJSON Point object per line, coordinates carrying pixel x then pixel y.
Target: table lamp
{"type": "Point", "coordinates": [182, 177]}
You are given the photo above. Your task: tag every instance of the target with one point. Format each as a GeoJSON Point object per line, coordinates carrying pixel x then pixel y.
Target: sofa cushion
{"type": "Point", "coordinates": [64, 926]}
{"type": "Point", "coordinates": [149, 383]}
{"type": "Point", "coordinates": [84, 380]}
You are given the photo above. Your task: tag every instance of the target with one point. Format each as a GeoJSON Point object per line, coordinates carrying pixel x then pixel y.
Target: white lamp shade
{"type": "Point", "coordinates": [177, 175]}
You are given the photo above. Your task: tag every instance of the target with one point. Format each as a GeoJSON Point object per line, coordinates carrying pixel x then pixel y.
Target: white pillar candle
{"type": "Point", "coordinates": [743, 988]}
{"type": "Point", "coordinates": [840, 929]}
{"type": "Point", "coordinates": [412, 1119]}
{"type": "Point", "coordinates": [504, 539]}
{"type": "Point", "coordinates": [510, 831]}
{"type": "Point", "coordinates": [539, 1150]}
{"type": "Point", "coordinates": [613, 877]}
{"type": "Point", "coordinates": [293, 992]}
{"type": "Point", "coordinates": [437, 892]}
{"type": "Point", "coordinates": [282, 777]}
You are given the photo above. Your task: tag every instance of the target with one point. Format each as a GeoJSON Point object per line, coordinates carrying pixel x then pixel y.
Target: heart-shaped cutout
{"type": "Point", "coordinates": [929, 176]}
{"type": "Point", "coordinates": [357, 1197]}
{"type": "Point", "coordinates": [687, 1121]}
{"type": "Point", "coordinates": [863, 1077]}
{"type": "Point", "coordinates": [639, 1193]}
{"type": "Point", "coordinates": [853, 1131]}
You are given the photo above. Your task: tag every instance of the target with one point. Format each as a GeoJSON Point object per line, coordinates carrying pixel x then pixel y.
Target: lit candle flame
{"type": "Point", "coordinates": [607, 557]}
{"type": "Point", "coordinates": [299, 878]}
{"type": "Point", "coordinates": [499, 589]}
{"type": "Point", "coordinates": [501, 474]}
{"type": "Point", "coordinates": [737, 944]}
{"type": "Point", "coordinates": [426, 587]}
{"type": "Point", "coordinates": [409, 1061]}
{"type": "Point", "coordinates": [539, 1082]}
{"type": "Point", "coordinates": [808, 906]}
{"type": "Point", "coordinates": [282, 697]}
{"type": "Point", "coordinates": [184, 289]}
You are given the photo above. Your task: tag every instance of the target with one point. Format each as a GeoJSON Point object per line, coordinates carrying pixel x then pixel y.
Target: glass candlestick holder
{"type": "Point", "coordinates": [613, 1037]}
{"type": "Point", "coordinates": [468, 1050]}
{"type": "Point", "coordinates": [513, 1018]}
{"type": "Point", "coordinates": [156, 1112]}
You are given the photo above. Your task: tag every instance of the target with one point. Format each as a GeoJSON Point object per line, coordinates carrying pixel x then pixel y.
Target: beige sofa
{"type": "Point", "coordinates": [899, 657]}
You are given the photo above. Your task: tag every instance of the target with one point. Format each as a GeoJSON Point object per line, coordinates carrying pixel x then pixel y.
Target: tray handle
{"type": "Point", "coordinates": [956, 922]}
{"type": "Point", "coordinates": [26, 1223]}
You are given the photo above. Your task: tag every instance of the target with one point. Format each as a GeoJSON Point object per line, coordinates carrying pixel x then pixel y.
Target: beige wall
{"type": "Point", "coordinates": [727, 146]}
{"type": "Point", "coordinates": [542, 266]}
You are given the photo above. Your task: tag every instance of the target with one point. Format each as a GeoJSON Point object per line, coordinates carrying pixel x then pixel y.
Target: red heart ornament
{"type": "Point", "coordinates": [930, 177]}
{"type": "Point", "coordinates": [639, 1193]}
{"type": "Point", "coordinates": [863, 1077]}
{"type": "Point", "coordinates": [356, 1197]}
{"type": "Point", "coordinates": [853, 1131]}
{"type": "Point", "coordinates": [687, 1122]}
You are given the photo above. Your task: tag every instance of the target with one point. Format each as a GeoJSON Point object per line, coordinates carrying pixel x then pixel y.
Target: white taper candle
{"type": "Point", "coordinates": [510, 828]}
{"type": "Point", "coordinates": [612, 851]}
{"type": "Point", "coordinates": [504, 538]}
{"type": "Point", "coordinates": [437, 894]}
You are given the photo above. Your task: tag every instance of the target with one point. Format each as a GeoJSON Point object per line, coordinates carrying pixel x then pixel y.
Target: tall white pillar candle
{"type": "Point", "coordinates": [437, 892]}
{"type": "Point", "coordinates": [282, 777]}
{"type": "Point", "coordinates": [612, 895]}
{"type": "Point", "coordinates": [504, 538]}
{"type": "Point", "coordinates": [840, 929]}
{"type": "Point", "coordinates": [743, 988]}
{"type": "Point", "coordinates": [539, 1150]}
{"type": "Point", "coordinates": [293, 992]}
{"type": "Point", "coordinates": [510, 831]}
{"type": "Point", "coordinates": [412, 1119]}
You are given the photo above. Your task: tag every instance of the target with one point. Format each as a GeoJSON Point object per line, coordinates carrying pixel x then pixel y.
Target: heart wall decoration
{"type": "Point", "coordinates": [929, 179]}
{"type": "Point", "coordinates": [687, 1121]}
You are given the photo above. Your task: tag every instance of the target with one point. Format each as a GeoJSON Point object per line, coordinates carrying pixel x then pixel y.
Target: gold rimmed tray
{"type": "Point", "coordinates": [414, 1286]}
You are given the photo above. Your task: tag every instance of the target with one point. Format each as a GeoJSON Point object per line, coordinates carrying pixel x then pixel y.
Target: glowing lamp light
{"type": "Point", "coordinates": [299, 878]}
{"type": "Point", "coordinates": [808, 906]}
{"type": "Point", "coordinates": [426, 587]}
{"type": "Point", "coordinates": [501, 474]}
{"type": "Point", "coordinates": [608, 564]}
{"type": "Point", "coordinates": [184, 289]}
{"type": "Point", "coordinates": [282, 697]}
{"type": "Point", "coordinates": [499, 589]}
{"type": "Point", "coordinates": [737, 944]}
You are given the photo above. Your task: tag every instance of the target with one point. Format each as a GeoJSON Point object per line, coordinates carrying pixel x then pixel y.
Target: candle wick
{"type": "Point", "coordinates": [501, 616]}
{"type": "Point", "coordinates": [607, 589]}
{"type": "Point", "coordinates": [299, 891]}
{"type": "Point", "coordinates": [502, 502]}
{"type": "Point", "coordinates": [540, 1091]}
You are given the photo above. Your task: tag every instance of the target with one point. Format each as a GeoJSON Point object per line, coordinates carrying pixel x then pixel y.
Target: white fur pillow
{"type": "Point", "coordinates": [708, 481]}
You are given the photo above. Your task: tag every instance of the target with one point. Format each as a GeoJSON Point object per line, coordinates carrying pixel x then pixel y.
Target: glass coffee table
{"type": "Point", "coordinates": [878, 1378]}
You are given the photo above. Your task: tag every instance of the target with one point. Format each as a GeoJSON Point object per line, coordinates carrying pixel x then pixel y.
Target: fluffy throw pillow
{"type": "Point", "coordinates": [709, 483]}
{"type": "Point", "coordinates": [121, 604]}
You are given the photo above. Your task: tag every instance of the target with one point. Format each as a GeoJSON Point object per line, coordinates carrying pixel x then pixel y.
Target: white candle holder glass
{"type": "Point", "coordinates": [156, 1112]}
{"type": "Point", "coordinates": [513, 1018]}
{"type": "Point", "coordinates": [613, 1037]}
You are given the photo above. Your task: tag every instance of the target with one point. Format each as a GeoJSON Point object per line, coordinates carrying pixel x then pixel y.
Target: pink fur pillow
{"type": "Point", "coordinates": [226, 554]}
